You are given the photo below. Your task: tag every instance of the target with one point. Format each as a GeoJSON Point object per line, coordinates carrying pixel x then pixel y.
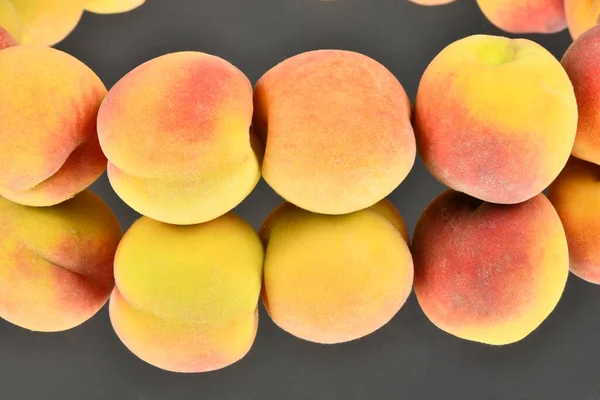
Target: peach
{"type": "Point", "coordinates": [532, 16]}
{"type": "Point", "coordinates": [47, 23]}
{"type": "Point", "coordinates": [9, 19]}
{"type": "Point", "coordinates": [486, 272]}
{"type": "Point", "coordinates": [581, 15]}
{"type": "Point", "coordinates": [337, 130]}
{"type": "Point", "coordinates": [432, 2]}
{"type": "Point", "coordinates": [576, 197]}
{"type": "Point", "coordinates": [186, 296]}
{"type": "Point", "coordinates": [112, 6]}
{"type": "Point", "coordinates": [48, 110]}
{"type": "Point", "coordinates": [180, 150]}
{"type": "Point", "coordinates": [56, 263]}
{"type": "Point", "coordinates": [582, 63]}
{"type": "Point", "coordinates": [6, 39]}
{"type": "Point", "coordinates": [495, 118]}
{"type": "Point", "coordinates": [335, 278]}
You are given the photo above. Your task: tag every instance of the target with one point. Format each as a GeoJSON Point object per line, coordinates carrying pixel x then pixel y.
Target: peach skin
{"type": "Point", "coordinates": [337, 130]}
{"type": "Point", "coordinates": [431, 2]}
{"type": "Point", "coordinates": [112, 6]}
{"type": "Point", "coordinates": [335, 278]}
{"type": "Point", "coordinates": [48, 109]}
{"type": "Point", "coordinates": [495, 118]}
{"type": "Point", "coordinates": [56, 263]}
{"type": "Point", "coordinates": [6, 39]}
{"type": "Point", "coordinates": [581, 15]}
{"type": "Point", "coordinates": [9, 19]}
{"type": "Point", "coordinates": [582, 63]}
{"type": "Point", "coordinates": [46, 22]}
{"type": "Point", "coordinates": [576, 197]}
{"type": "Point", "coordinates": [186, 296]}
{"type": "Point", "coordinates": [181, 150]}
{"type": "Point", "coordinates": [525, 16]}
{"type": "Point", "coordinates": [486, 272]}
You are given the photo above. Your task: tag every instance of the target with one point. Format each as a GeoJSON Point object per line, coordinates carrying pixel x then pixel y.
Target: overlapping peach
{"type": "Point", "coordinates": [529, 16]}
{"type": "Point", "coordinates": [9, 19]}
{"type": "Point", "coordinates": [581, 15]}
{"type": "Point", "coordinates": [6, 39]}
{"type": "Point", "coordinates": [486, 272]}
{"type": "Point", "coordinates": [48, 110]}
{"type": "Point", "coordinates": [56, 263]}
{"type": "Point", "coordinates": [495, 118]}
{"type": "Point", "coordinates": [186, 296]}
{"type": "Point", "coordinates": [180, 149]}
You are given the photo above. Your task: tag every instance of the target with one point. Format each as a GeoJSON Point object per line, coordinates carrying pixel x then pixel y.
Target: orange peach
{"type": "Point", "coordinates": [531, 16]}
{"type": "Point", "coordinates": [495, 118]}
{"type": "Point", "coordinates": [9, 19]}
{"type": "Point", "coordinates": [486, 272]}
{"type": "Point", "coordinates": [582, 63]}
{"type": "Point", "coordinates": [335, 278]}
{"type": "Point", "coordinates": [112, 6]}
{"type": "Point", "coordinates": [581, 15]}
{"type": "Point", "coordinates": [336, 126]}
{"type": "Point", "coordinates": [56, 263]}
{"type": "Point", "coordinates": [48, 110]}
{"type": "Point", "coordinates": [6, 39]}
{"type": "Point", "coordinates": [180, 150]}
{"type": "Point", "coordinates": [47, 22]}
{"type": "Point", "coordinates": [186, 296]}
{"type": "Point", "coordinates": [576, 197]}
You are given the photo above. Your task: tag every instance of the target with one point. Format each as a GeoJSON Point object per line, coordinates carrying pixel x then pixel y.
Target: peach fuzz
{"type": "Point", "coordinates": [489, 273]}
{"type": "Point", "coordinates": [46, 22]}
{"type": "Point", "coordinates": [582, 63]}
{"type": "Point", "coordinates": [337, 131]}
{"type": "Point", "coordinates": [112, 6]}
{"type": "Point", "coordinates": [186, 296]}
{"type": "Point", "coordinates": [181, 150]}
{"type": "Point", "coordinates": [56, 263]}
{"type": "Point", "coordinates": [432, 2]}
{"type": "Point", "coordinates": [576, 197]}
{"type": "Point", "coordinates": [581, 15]}
{"type": "Point", "coordinates": [495, 118]}
{"type": "Point", "coordinates": [9, 19]}
{"type": "Point", "coordinates": [6, 39]}
{"type": "Point", "coordinates": [531, 16]}
{"type": "Point", "coordinates": [335, 278]}
{"type": "Point", "coordinates": [48, 110]}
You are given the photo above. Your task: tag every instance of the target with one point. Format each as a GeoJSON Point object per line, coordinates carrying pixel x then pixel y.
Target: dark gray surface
{"type": "Point", "coordinates": [407, 359]}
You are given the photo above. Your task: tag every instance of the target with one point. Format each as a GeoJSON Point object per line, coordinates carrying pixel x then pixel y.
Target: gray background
{"type": "Point", "coordinates": [408, 358]}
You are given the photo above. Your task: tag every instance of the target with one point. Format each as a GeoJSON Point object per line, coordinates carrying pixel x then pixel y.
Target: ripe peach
{"type": "Point", "coordinates": [531, 16]}
{"type": "Point", "coordinates": [581, 15]}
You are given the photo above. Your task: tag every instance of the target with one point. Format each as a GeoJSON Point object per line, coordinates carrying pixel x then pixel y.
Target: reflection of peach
{"type": "Point", "coordinates": [56, 262]}
{"type": "Point", "coordinates": [581, 15]}
{"type": "Point", "coordinates": [495, 118]}
{"type": "Point", "coordinates": [531, 16]}
{"type": "Point", "coordinates": [582, 63]}
{"type": "Point", "coordinates": [186, 296]}
{"type": "Point", "coordinates": [112, 6]}
{"type": "Point", "coordinates": [486, 272]}
{"type": "Point", "coordinates": [48, 110]}
{"type": "Point", "coordinates": [9, 19]}
{"type": "Point", "coordinates": [576, 197]}
{"type": "Point", "coordinates": [180, 150]}
{"type": "Point", "coordinates": [337, 130]}
{"type": "Point", "coordinates": [6, 39]}
{"type": "Point", "coordinates": [335, 278]}
{"type": "Point", "coordinates": [431, 2]}
{"type": "Point", "coordinates": [47, 22]}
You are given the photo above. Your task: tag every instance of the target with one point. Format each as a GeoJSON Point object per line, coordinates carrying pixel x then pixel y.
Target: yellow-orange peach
{"type": "Point", "coordinates": [581, 15]}
{"type": "Point", "coordinates": [486, 272]}
{"type": "Point", "coordinates": [335, 278]}
{"type": "Point", "coordinates": [48, 110]}
{"type": "Point", "coordinates": [336, 126]}
{"type": "Point", "coordinates": [186, 296]}
{"type": "Point", "coordinates": [56, 263]}
{"type": "Point", "coordinates": [47, 22]}
{"type": "Point", "coordinates": [495, 118]}
{"type": "Point", "coordinates": [582, 63]}
{"type": "Point", "coordinates": [180, 150]}
{"type": "Point", "coordinates": [576, 197]}
{"type": "Point", "coordinates": [530, 16]}
{"type": "Point", "coordinates": [9, 19]}
{"type": "Point", "coordinates": [112, 6]}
